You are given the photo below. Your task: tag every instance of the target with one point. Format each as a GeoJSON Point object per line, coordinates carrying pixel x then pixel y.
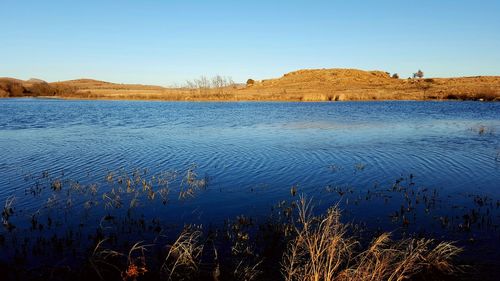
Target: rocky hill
{"type": "Point", "coordinates": [353, 84]}
{"type": "Point", "coordinates": [301, 85]}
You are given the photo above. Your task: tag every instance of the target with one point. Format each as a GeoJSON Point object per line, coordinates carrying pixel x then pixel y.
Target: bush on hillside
{"type": "Point", "coordinates": [41, 89]}
{"type": "Point", "coordinates": [12, 88]}
{"type": "Point", "coordinates": [419, 74]}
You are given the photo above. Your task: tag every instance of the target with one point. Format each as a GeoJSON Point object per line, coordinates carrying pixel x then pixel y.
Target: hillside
{"type": "Point", "coordinates": [352, 84]}
{"type": "Point", "coordinates": [301, 85]}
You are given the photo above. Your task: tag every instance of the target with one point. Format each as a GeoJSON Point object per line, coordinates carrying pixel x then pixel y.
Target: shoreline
{"type": "Point", "coordinates": [312, 85]}
{"type": "Point", "coordinates": [244, 100]}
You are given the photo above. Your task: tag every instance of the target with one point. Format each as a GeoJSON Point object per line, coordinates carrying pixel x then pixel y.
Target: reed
{"type": "Point", "coordinates": [322, 250]}
{"type": "Point", "coordinates": [183, 257]}
{"type": "Point", "coordinates": [307, 245]}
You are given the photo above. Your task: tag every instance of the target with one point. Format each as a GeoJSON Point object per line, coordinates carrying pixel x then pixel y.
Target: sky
{"type": "Point", "coordinates": [169, 42]}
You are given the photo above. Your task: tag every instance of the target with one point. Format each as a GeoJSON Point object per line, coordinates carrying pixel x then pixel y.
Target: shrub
{"type": "Point", "coordinates": [60, 90]}
{"type": "Point", "coordinates": [3, 93]}
{"type": "Point", "coordinates": [250, 82]}
{"type": "Point", "coordinates": [453, 97]}
{"type": "Point", "coordinates": [418, 74]}
{"type": "Point", "coordinates": [487, 94]}
{"type": "Point", "coordinates": [12, 88]}
{"type": "Point", "coordinates": [41, 89]}
{"type": "Point", "coordinates": [395, 76]}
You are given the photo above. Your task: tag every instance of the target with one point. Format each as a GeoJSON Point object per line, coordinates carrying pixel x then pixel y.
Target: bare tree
{"type": "Point", "coordinates": [204, 84]}
{"type": "Point", "coordinates": [191, 84]}
{"type": "Point", "coordinates": [230, 82]}
{"type": "Point", "coordinates": [218, 82]}
{"type": "Point", "coordinates": [221, 82]}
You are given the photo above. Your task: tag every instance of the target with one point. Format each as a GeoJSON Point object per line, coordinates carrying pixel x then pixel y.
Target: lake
{"type": "Point", "coordinates": [425, 168]}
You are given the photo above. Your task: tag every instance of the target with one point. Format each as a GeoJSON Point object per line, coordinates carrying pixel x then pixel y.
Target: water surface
{"type": "Point", "coordinates": [253, 153]}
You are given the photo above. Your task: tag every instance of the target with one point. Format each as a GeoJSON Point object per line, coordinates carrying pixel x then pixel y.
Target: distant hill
{"type": "Point", "coordinates": [354, 84]}
{"type": "Point", "coordinates": [301, 85]}
{"type": "Point", "coordinates": [91, 84]}
{"type": "Point", "coordinates": [11, 87]}
{"type": "Point", "coordinates": [35, 80]}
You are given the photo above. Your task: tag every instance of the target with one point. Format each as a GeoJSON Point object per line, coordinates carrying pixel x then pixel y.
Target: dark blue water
{"type": "Point", "coordinates": [253, 153]}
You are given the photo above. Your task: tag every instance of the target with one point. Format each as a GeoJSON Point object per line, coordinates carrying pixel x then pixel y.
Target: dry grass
{"type": "Point", "coordinates": [181, 262]}
{"type": "Point", "coordinates": [310, 247]}
{"type": "Point", "coordinates": [184, 255]}
{"type": "Point", "coordinates": [321, 247]}
{"type": "Point", "coordinates": [245, 272]}
{"type": "Point", "coordinates": [322, 251]}
{"type": "Point", "coordinates": [103, 261]}
{"type": "Point", "coordinates": [192, 183]}
{"type": "Point", "coordinates": [100, 262]}
{"type": "Point", "coordinates": [386, 259]}
{"type": "Point", "coordinates": [301, 85]}
{"type": "Point", "coordinates": [8, 210]}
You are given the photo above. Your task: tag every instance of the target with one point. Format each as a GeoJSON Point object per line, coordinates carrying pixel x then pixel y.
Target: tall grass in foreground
{"type": "Point", "coordinates": [319, 248]}
{"type": "Point", "coordinates": [184, 256]}
{"type": "Point", "coordinates": [322, 250]}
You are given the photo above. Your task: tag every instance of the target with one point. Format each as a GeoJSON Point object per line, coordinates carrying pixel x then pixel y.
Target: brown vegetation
{"type": "Point", "coordinates": [301, 85]}
{"type": "Point", "coordinates": [322, 250]}
{"type": "Point", "coordinates": [33, 88]}
{"type": "Point", "coordinates": [101, 231]}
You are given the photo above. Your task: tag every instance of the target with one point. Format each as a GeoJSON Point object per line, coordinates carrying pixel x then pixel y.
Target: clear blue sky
{"type": "Point", "coordinates": [167, 42]}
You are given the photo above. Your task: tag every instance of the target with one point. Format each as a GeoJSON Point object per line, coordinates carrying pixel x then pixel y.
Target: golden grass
{"type": "Point", "coordinates": [322, 251]}
{"type": "Point", "coordinates": [302, 85]}
{"type": "Point", "coordinates": [191, 183]}
{"type": "Point", "coordinates": [184, 255]}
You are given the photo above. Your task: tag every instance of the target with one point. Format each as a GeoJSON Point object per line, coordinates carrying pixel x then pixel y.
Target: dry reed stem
{"type": "Point", "coordinates": [322, 251]}
{"type": "Point", "coordinates": [184, 254]}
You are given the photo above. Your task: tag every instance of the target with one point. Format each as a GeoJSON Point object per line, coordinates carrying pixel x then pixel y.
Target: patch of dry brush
{"type": "Point", "coordinates": [323, 251]}
{"type": "Point", "coordinates": [310, 247]}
